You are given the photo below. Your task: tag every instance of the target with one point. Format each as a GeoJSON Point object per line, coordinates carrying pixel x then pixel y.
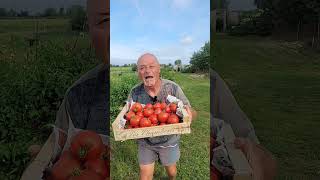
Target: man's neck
{"type": "Point", "coordinates": [153, 91]}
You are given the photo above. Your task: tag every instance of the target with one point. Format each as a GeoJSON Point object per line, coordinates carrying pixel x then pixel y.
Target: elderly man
{"type": "Point", "coordinates": [152, 89]}
{"type": "Point", "coordinates": [86, 101]}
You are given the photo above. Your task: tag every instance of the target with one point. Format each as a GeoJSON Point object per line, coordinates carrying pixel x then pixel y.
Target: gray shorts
{"type": "Point", "coordinates": [167, 155]}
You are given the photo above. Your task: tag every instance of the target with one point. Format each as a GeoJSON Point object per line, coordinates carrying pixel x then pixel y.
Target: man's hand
{"type": "Point", "coordinates": [261, 160]}
{"type": "Point", "coordinates": [191, 112]}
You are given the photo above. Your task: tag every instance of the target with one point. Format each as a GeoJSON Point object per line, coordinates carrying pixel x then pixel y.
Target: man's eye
{"type": "Point", "coordinates": [103, 21]}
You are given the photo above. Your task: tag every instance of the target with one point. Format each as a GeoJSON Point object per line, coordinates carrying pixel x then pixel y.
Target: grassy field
{"type": "Point", "coordinates": [33, 82]}
{"type": "Point", "coordinates": [194, 161]}
{"type": "Point", "coordinates": [277, 84]}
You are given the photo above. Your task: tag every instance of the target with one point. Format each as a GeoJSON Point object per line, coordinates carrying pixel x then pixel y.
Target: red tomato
{"type": "Point", "coordinates": [136, 107]}
{"type": "Point", "coordinates": [65, 166]}
{"type": "Point", "coordinates": [163, 124]}
{"type": "Point", "coordinates": [153, 118]}
{"type": "Point", "coordinates": [148, 106]}
{"type": "Point", "coordinates": [135, 121]}
{"type": "Point", "coordinates": [85, 175]}
{"type": "Point", "coordinates": [98, 166]}
{"type": "Point", "coordinates": [173, 118]}
{"type": "Point", "coordinates": [157, 105]}
{"type": "Point", "coordinates": [129, 115]}
{"type": "Point", "coordinates": [86, 145]}
{"type": "Point", "coordinates": [157, 111]}
{"type": "Point", "coordinates": [129, 127]}
{"type": "Point", "coordinates": [167, 109]}
{"type": "Point", "coordinates": [140, 114]}
{"type": "Point", "coordinates": [214, 173]}
{"type": "Point", "coordinates": [163, 105]}
{"type": "Point", "coordinates": [144, 122]}
{"type": "Point", "coordinates": [147, 112]}
{"type": "Point", "coordinates": [173, 107]}
{"type": "Point", "coordinates": [163, 117]}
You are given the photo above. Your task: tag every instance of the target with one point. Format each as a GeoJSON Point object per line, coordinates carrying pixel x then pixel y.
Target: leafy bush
{"type": "Point", "coordinates": [258, 22]}
{"type": "Point", "coordinates": [78, 18]}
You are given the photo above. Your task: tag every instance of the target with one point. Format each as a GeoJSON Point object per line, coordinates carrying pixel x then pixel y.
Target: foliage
{"type": "Point", "coordinates": [200, 59]}
{"type": "Point", "coordinates": [134, 67]}
{"type": "Point", "coordinates": [257, 22]}
{"type": "Point", "coordinates": [31, 91]}
{"type": "Point", "coordinates": [50, 12]}
{"type": "Point", "coordinates": [177, 62]}
{"type": "Point", "coordinates": [78, 18]}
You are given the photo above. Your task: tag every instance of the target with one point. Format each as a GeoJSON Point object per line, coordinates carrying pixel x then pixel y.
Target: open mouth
{"type": "Point", "coordinates": [148, 77]}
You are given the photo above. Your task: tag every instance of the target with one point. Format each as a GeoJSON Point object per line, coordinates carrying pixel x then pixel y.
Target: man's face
{"type": "Point", "coordinates": [99, 27]}
{"type": "Point", "coordinates": [148, 70]}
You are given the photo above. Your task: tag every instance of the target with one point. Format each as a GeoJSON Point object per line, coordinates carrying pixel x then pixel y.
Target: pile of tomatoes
{"type": "Point", "coordinates": [151, 115]}
{"type": "Point", "coordinates": [87, 158]}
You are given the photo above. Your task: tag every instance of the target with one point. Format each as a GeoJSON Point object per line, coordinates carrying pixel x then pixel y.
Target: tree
{"type": "Point", "coordinates": [78, 18]}
{"type": "Point", "coordinates": [177, 62]}
{"type": "Point", "coordinates": [3, 12]}
{"type": "Point", "coordinates": [23, 13]}
{"type": "Point", "coordinates": [12, 13]}
{"type": "Point", "coordinates": [61, 11]}
{"type": "Point", "coordinates": [50, 12]}
{"type": "Point", "coordinates": [200, 59]}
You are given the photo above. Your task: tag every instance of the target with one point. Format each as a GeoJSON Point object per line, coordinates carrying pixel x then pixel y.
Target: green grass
{"type": "Point", "coordinates": [194, 147]}
{"type": "Point", "coordinates": [278, 86]}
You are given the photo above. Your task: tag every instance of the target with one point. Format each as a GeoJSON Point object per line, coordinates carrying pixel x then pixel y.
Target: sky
{"type": "Point", "coordinates": [170, 29]}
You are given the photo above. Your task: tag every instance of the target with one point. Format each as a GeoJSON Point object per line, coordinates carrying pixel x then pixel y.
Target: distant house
{"type": "Point", "coordinates": [228, 14]}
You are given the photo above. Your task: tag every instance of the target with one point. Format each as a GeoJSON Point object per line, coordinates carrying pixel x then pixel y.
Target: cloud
{"type": "Point", "coordinates": [181, 4]}
{"type": "Point", "coordinates": [186, 40]}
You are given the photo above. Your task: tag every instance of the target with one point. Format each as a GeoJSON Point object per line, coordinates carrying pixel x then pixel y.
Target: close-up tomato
{"type": "Point", "coordinates": [148, 106]}
{"type": "Point", "coordinates": [167, 109]}
{"type": "Point", "coordinates": [147, 112]}
{"type": "Point", "coordinates": [140, 114]}
{"type": "Point", "coordinates": [136, 107]}
{"type": "Point", "coordinates": [153, 118]}
{"type": "Point", "coordinates": [157, 105]}
{"type": "Point", "coordinates": [86, 174]}
{"type": "Point", "coordinates": [163, 105]}
{"type": "Point", "coordinates": [65, 166]}
{"type": "Point", "coordinates": [135, 121]}
{"type": "Point", "coordinates": [157, 110]}
{"type": "Point", "coordinates": [173, 118]}
{"type": "Point", "coordinates": [98, 166]}
{"type": "Point", "coordinates": [144, 122]}
{"type": "Point", "coordinates": [129, 115]}
{"type": "Point", "coordinates": [173, 107]}
{"type": "Point", "coordinates": [163, 117]}
{"type": "Point", "coordinates": [162, 124]}
{"type": "Point", "coordinates": [86, 145]}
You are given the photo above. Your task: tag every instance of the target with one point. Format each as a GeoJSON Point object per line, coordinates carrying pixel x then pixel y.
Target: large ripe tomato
{"type": "Point", "coordinates": [163, 117]}
{"type": "Point", "coordinates": [136, 107]}
{"type": "Point", "coordinates": [163, 105]}
{"type": "Point", "coordinates": [163, 124]}
{"type": "Point", "coordinates": [129, 115]}
{"type": "Point", "coordinates": [214, 173]}
{"type": "Point", "coordinates": [173, 107]}
{"type": "Point", "coordinates": [140, 114]}
{"type": "Point", "coordinates": [148, 106]}
{"type": "Point", "coordinates": [157, 105]}
{"type": "Point", "coordinates": [144, 122]}
{"type": "Point", "coordinates": [135, 121]}
{"type": "Point", "coordinates": [147, 112]}
{"type": "Point", "coordinates": [157, 111]}
{"type": "Point", "coordinates": [65, 166]}
{"type": "Point", "coordinates": [153, 118]}
{"type": "Point", "coordinates": [167, 109]}
{"type": "Point", "coordinates": [86, 145]}
{"type": "Point", "coordinates": [86, 174]}
{"type": "Point", "coordinates": [98, 166]}
{"type": "Point", "coordinates": [173, 118]}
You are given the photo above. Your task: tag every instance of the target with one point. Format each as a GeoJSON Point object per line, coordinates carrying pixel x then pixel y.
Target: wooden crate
{"type": "Point", "coordinates": [240, 164]}
{"type": "Point", "coordinates": [121, 134]}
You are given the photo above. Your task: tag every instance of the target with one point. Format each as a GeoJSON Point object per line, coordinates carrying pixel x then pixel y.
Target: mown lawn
{"type": "Point", "coordinates": [277, 84]}
{"type": "Point", "coordinates": [194, 160]}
